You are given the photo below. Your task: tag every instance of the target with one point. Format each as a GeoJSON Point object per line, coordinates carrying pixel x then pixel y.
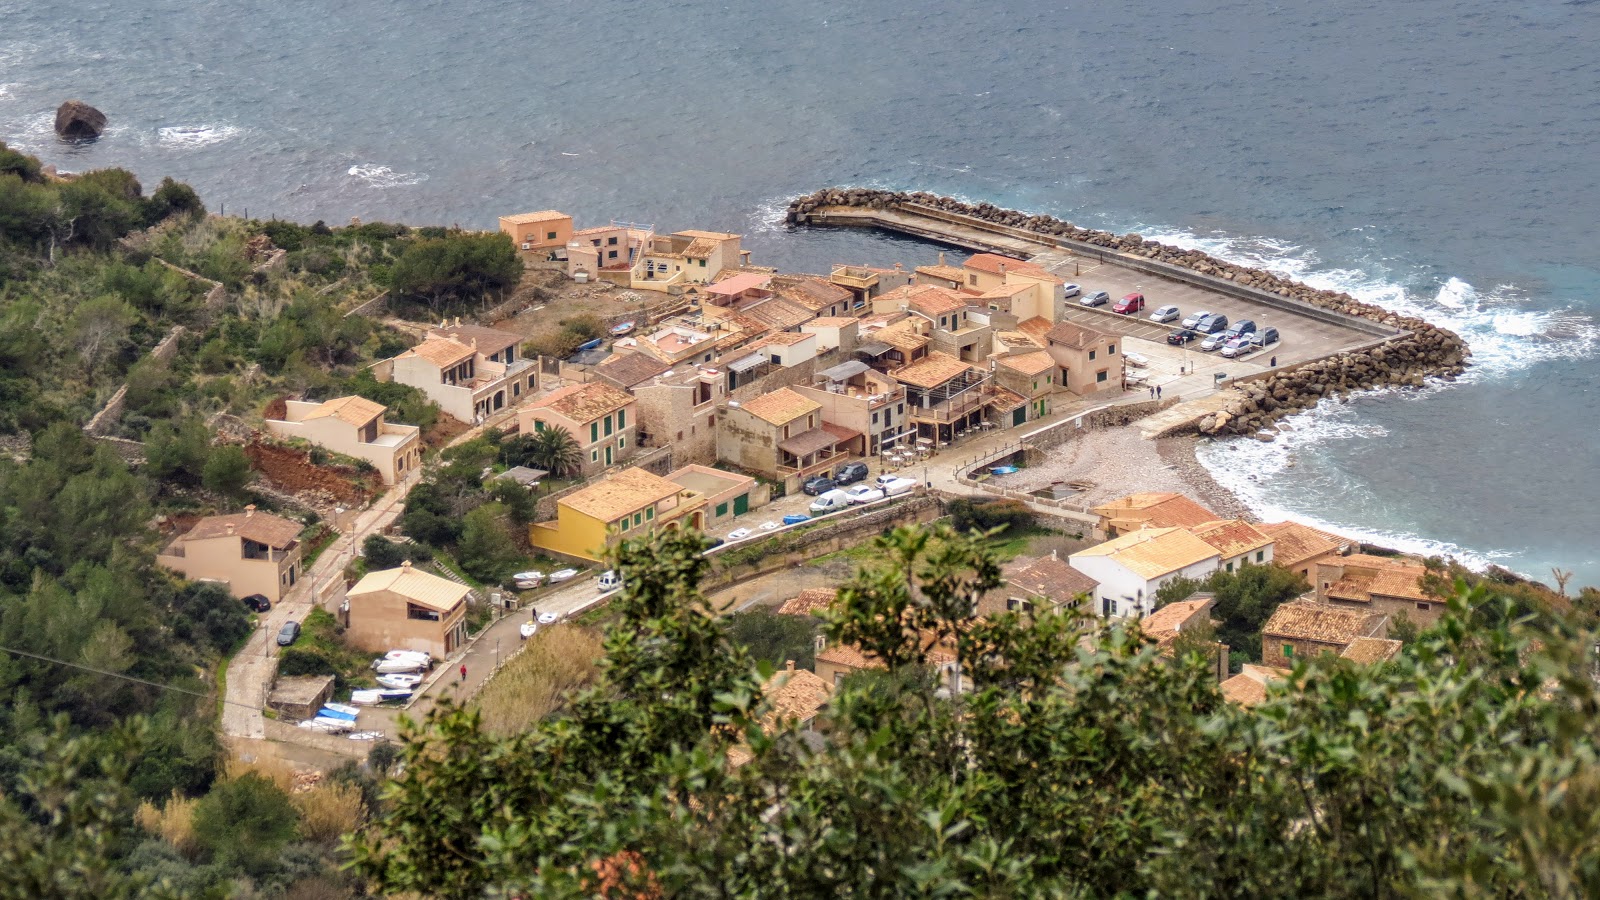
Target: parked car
{"type": "Point", "coordinates": [1181, 336]}
{"type": "Point", "coordinates": [739, 534]}
{"type": "Point", "coordinates": [257, 603]}
{"type": "Point", "coordinates": [288, 634]}
{"type": "Point", "coordinates": [1098, 298]}
{"type": "Point", "coordinates": [1165, 314]}
{"type": "Point", "coordinates": [899, 486]}
{"type": "Point", "coordinates": [1193, 319]}
{"type": "Point", "coordinates": [1264, 336]}
{"type": "Point", "coordinates": [1243, 326]}
{"type": "Point", "coordinates": [1215, 341]}
{"type": "Point", "coordinates": [796, 518]}
{"type": "Point", "coordinates": [849, 473]}
{"type": "Point", "coordinates": [527, 581]}
{"type": "Point", "coordinates": [1215, 323]}
{"type": "Point", "coordinates": [1238, 345]}
{"type": "Point", "coordinates": [1129, 305]}
{"type": "Point", "coordinates": [609, 580]}
{"type": "Point", "coordinates": [831, 501]}
{"type": "Point", "coordinates": [818, 484]}
{"type": "Point", "coordinates": [1072, 290]}
{"type": "Point", "coordinates": [863, 493]}
{"type": "Point", "coordinates": [563, 575]}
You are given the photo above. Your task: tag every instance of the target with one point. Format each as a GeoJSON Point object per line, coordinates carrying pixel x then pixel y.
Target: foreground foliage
{"type": "Point", "coordinates": [1071, 768]}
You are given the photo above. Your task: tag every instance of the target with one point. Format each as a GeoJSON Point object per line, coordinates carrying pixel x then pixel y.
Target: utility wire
{"type": "Point", "coordinates": [164, 687]}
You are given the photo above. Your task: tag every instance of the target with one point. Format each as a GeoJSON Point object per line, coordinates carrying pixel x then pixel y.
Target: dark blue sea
{"type": "Point", "coordinates": [1435, 157]}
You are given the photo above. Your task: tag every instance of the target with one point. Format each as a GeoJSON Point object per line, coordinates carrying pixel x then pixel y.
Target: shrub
{"type": "Point", "coordinates": [244, 822]}
{"type": "Point", "coordinates": [329, 810]}
{"type": "Point", "coordinates": [300, 661]}
{"type": "Point", "coordinates": [172, 821]}
{"type": "Point", "coordinates": [557, 661]}
{"type": "Point", "coordinates": [1008, 515]}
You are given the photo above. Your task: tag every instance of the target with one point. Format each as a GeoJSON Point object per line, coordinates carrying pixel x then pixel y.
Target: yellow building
{"type": "Point", "coordinates": [628, 504]}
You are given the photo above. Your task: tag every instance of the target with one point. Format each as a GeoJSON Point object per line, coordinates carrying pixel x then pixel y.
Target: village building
{"type": "Point", "coordinates": [1238, 542]}
{"type": "Point", "coordinates": [723, 495]}
{"type": "Point", "coordinates": [601, 418]}
{"type": "Point", "coordinates": [355, 427]}
{"type": "Point", "coordinates": [633, 255]}
{"type": "Point", "coordinates": [1031, 376]}
{"type": "Point", "coordinates": [818, 296]}
{"type": "Point", "coordinates": [1370, 651]}
{"type": "Point", "coordinates": [1036, 584]}
{"type": "Point", "coordinates": [679, 410]}
{"type": "Point", "coordinates": [944, 275]}
{"type": "Point", "coordinates": [470, 372]}
{"type": "Point", "coordinates": [795, 698]}
{"type": "Point", "coordinates": [994, 278]}
{"type": "Point", "coordinates": [538, 233]}
{"type": "Point", "coordinates": [951, 327]}
{"type": "Point", "coordinates": [945, 396]}
{"type": "Point", "coordinates": [248, 553]}
{"type": "Point", "coordinates": [857, 399]}
{"type": "Point", "coordinates": [1152, 510]}
{"type": "Point", "coordinates": [1169, 623]}
{"type": "Point", "coordinates": [1249, 687]}
{"type": "Point", "coordinates": [780, 435]}
{"type": "Point", "coordinates": [1300, 547]}
{"type": "Point", "coordinates": [1130, 569]}
{"type": "Point", "coordinates": [1301, 628]}
{"type": "Point", "coordinates": [405, 608]}
{"type": "Point", "coordinates": [834, 332]}
{"type": "Point", "coordinates": [627, 369]}
{"type": "Point", "coordinates": [809, 602]}
{"type": "Point", "coordinates": [1385, 585]}
{"type": "Point", "coordinates": [893, 341]}
{"type": "Point", "coordinates": [628, 504]}
{"type": "Point", "coordinates": [1087, 360]}
{"type": "Point", "coordinates": [866, 282]}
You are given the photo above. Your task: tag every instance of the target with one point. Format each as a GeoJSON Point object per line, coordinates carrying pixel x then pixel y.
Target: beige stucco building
{"type": "Point", "coordinates": [250, 552]}
{"type": "Point", "coordinates": [679, 410]}
{"type": "Point", "coordinates": [355, 427]}
{"type": "Point", "coordinates": [406, 609]}
{"type": "Point", "coordinates": [1087, 361]}
{"type": "Point", "coordinates": [538, 233]}
{"type": "Point", "coordinates": [780, 435]}
{"type": "Point", "coordinates": [1383, 585]}
{"type": "Point", "coordinates": [858, 399]}
{"type": "Point", "coordinates": [602, 418]}
{"type": "Point", "coordinates": [470, 372]}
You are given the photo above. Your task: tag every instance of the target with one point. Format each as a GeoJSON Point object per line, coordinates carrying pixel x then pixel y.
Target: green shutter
{"type": "Point", "coordinates": [594, 432]}
{"type": "Point", "coordinates": [608, 426]}
{"type": "Point", "coordinates": [722, 509]}
{"type": "Point", "coordinates": [741, 504]}
{"type": "Point", "coordinates": [649, 513]}
{"type": "Point", "coordinates": [622, 419]}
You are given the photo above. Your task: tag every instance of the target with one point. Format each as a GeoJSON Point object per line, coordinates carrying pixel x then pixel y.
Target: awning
{"type": "Point", "coordinates": [874, 348]}
{"type": "Point", "coordinates": [845, 370]}
{"type": "Point", "coordinates": [754, 361]}
{"type": "Point", "coordinates": [523, 475]}
{"type": "Point", "coordinates": [808, 442]}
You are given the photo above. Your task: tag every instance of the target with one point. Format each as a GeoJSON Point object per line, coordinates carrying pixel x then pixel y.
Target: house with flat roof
{"type": "Point", "coordinates": [628, 504]}
{"type": "Point", "coordinates": [1386, 585]}
{"type": "Point", "coordinates": [405, 608]}
{"type": "Point", "coordinates": [1087, 361]}
{"type": "Point", "coordinates": [1301, 628]}
{"type": "Point", "coordinates": [858, 399]}
{"type": "Point", "coordinates": [841, 332]}
{"type": "Point", "coordinates": [634, 255]}
{"type": "Point", "coordinates": [724, 495]}
{"type": "Point", "coordinates": [1151, 509]}
{"type": "Point", "coordinates": [249, 553]}
{"type": "Point", "coordinates": [867, 282]}
{"type": "Point", "coordinates": [1130, 569]}
{"type": "Point", "coordinates": [678, 409]}
{"type": "Point", "coordinates": [1031, 376]}
{"type": "Point", "coordinates": [602, 419]}
{"type": "Point", "coordinates": [538, 232]}
{"type": "Point", "coordinates": [354, 426]}
{"type": "Point", "coordinates": [470, 372]}
{"type": "Point", "coordinates": [781, 435]}
{"type": "Point", "coordinates": [1239, 543]}
{"type": "Point", "coordinates": [996, 280]}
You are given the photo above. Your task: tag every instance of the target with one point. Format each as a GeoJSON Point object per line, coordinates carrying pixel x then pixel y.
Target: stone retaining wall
{"type": "Point", "coordinates": [1420, 351]}
{"type": "Point", "coordinates": [787, 549]}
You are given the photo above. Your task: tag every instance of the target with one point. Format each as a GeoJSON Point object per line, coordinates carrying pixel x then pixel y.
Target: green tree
{"type": "Point", "coordinates": [775, 639]}
{"type": "Point", "coordinates": [556, 451]}
{"type": "Point", "coordinates": [458, 266]}
{"type": "Point", "coordinates": [178, 453]}
{"type": "Point", "coordinates": [488, 550]}
{"type": "Point", "coordinates": [244, 822]}
{"type": "Point", "coordinates": [227, 471]}
{"type": "Point", "coordinates": [99, 329]}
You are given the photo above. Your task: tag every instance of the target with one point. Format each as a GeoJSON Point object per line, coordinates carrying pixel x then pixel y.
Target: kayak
{"type": "Point", "coordinates": [342, 713]}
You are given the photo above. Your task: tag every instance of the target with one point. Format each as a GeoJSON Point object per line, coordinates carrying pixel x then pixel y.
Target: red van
{"type": "Point", "coordinates": [1130, 304]}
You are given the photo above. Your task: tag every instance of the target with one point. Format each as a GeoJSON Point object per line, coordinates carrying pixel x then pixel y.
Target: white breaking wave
{"type": "Point", "coordinates": [196, 135]}
{"type": "Point", "coordinates": [385, 177]}
{"type": "Point", "coordinates": [770, 216]}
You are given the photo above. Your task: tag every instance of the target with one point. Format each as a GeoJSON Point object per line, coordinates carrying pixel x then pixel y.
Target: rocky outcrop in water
{"type": "Point", "coordinates": [78, 121]}
{"type": "Point", "coordinates": [1422, 351]}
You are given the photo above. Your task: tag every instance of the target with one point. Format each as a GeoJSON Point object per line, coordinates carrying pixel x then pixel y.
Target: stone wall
{"type": "Point", "coordinates": [1419, 351]}
{"type": "Point", "coordinates": [373, 308]}
{"type": "Point", "coordinates": [110, 414]}
{"type": "Point", "coordinates": [787, 549]}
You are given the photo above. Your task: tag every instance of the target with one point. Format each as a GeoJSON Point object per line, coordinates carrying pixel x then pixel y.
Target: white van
{"type": "Point", "coordinates": [897, 486]}
{"type": "Point", "coordinates": [610, 580]}
{"type": "Point", "coordinates": [831, 501]}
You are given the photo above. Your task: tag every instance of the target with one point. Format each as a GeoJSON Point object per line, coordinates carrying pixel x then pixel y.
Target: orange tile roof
{"type": "Point", "coordinates": [489, 340]}
{"type": "Point", "coordinates": [708, 235]}
{"type": "Point", "coordinates": [263, 528]}
{"type": "Point", "coordinates": [808, 291]}
{"type": "Point", "coordinates": [1037, 328]}
{"type": "Point", "coordinates": [902, 335]}
{"type": "Point", "coordinates": [584, 403]}
{"type": "Point", "coordinates": [1167, 622]}
{"type": "Point", "coordinates": [808, 602]}
{"type": "Point", "coordinates": [933, 370]}
{"type": "Point", "coordinates": [831, 321]}
{"type": "Point", "coordinates": [1005, 290]}
{"type": "Point", "coordinates": [621, 494]}
{"type": "Point", "coordinates": [738, 283]}
{"type": "Point", "coordinates": [1370, 650]}
{"type": "Point", "coordinates": [1071, 334]}
{"type": "Point", "coordinates": [1158, 510]}
{"type": "Point", "coordinates": [1049, 577]}
{"type": "Point", "coordinates": [352, 410]}
{"type": "Point", "coordinates": [1320, 622]}
{"type": "Point", "coordinates": [796, 695]}
{"type": "Point", "coordinates": [1234, 537]}
{"type": "Point", "coordinates": [848, 656]}
{"type": "Point", "coordinates": [1004, 400]}
{"type": "Point", "coordinates": [783, 339]}
{"type": "Point", "coordinates": [936, 301]}
{"type": "Point", "coordinates": [1035, 363]}
{"type": "Point", "coordinates": [948, 273]}
{"type": "Point", "coordinates": [1294, 543]}
{"type": "Point", "coordinates": [441, 352]}
{"type": "Point", "coordinates": [991, 263]}
{"type": "Point", "coordinates": [781, 406]}
{"type": "Point", "coordinates": [423, 588]}
{"type": "Point", "coordinates": [1249, 687]}
{"type": "Point", "coordinates": [545, 215]}
{"type": "Point", "coordinates": [629, 368]}
{"type": "Point", "coordinates": [700, 248]}
{"type": "Point", "coordinates": [1153, 552]}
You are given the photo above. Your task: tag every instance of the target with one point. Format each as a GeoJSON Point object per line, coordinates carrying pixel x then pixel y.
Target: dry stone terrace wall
{"type": "Point", "coordinates": [1420, 351]}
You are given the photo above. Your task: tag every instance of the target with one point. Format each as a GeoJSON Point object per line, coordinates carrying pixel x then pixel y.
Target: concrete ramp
{"type": "Point", "coordinates": [1184, 417]}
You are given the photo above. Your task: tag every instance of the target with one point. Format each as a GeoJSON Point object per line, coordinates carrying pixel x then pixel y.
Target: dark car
{"type": "Point", "coordinates": [257, 603]}
{"type": "Point", "coordinates": [288, 634]}
{"type": "Point", "coordinates": [850, 473]}
{"type": "Point", "coordinates": [818, 484]}
{"type": "Point", "coordinates": [1243, 326]}
{"type": "Point", "coordinates": [1212, 324]}
{"type": "Point", "coordinates": [1264, 336]}
{"type": "Point", "coordinates": [1182, 336]}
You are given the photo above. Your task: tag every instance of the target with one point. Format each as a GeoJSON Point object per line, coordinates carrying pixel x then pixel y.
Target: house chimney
{"type": "Point", "coordinates": [405, 564]}
{"type": "Point", "coordinates": [1052, 553]}
{"type": "Point", "coordinates": [230, 529]}
{"type": "Point", "coordinates": [1002, 270]}
{"type": "Point", "coordinates": [788, 665]}
{"type": "Point", "coordinates": [249, 510]}
{"type": "Point", "coordinates": [941, 257]}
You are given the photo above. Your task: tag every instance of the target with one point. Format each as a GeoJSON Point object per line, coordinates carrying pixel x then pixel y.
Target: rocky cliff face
{"type": "Point", "coordinates": [1423, 351]}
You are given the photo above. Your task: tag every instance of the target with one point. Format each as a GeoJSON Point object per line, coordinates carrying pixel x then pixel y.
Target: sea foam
{"type": "Point", "coordinates": [384, 177]}
{"type": "Point", "coordinates": [184, 136]}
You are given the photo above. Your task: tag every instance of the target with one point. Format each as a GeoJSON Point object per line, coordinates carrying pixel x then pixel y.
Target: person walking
{"type": "Point", "coordinates": [463, 671]}
{"type": "Point", "coordinates": [1158, 392]}
{"type": "Point", "coordinates": [1152, 393]}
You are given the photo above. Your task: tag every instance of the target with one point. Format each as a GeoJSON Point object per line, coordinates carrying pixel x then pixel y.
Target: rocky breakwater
{"type": "Point", "coordinates": [1419, 352]}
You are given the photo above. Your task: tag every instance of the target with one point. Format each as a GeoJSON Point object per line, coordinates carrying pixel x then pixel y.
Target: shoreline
{"type": "Point", "coordinates": [1178, 451]}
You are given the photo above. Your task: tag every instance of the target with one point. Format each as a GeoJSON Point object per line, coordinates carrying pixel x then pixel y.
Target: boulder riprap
{"type": "Point", "coordinates": [78, 121]}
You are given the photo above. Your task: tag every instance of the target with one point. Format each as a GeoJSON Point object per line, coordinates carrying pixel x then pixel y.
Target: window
{"type": "Point", "coordinates": [622, 442]}
{"type": "Point", "coordinates": [611, 242]}
{"type": "Point", "coordinates": [993, 308]}
{"type": "Point", "coordinates": [1108, 606]}
{"type": "Point", "coordinates": [1230, 567]}
{"type": "Point", "coordinates": [608, 426]}
{"type": "Point", "coordinates": [516, 389]}
{"type": "Point", "coordinates": [1288, 649]}
{"type": "Point", "coordinates": [649, 513]}
{"type": "Point", "coordinates": [1261, 556]}
{"type": "Point", "coordinates": [594, 456]}
{"type": "Point", "coordinates": [702, 264]}
{"type": "Point", "coordinates": [972, 279]}
{"type": "Point", "coordinates": [1111, 349]}
{"type": "Point", "coordinates": [549, 235]}
{"type": "Point", "coordinates": [1036, 384]}
{"type": "Point", "coordinates": [722, 510]}
{"type": "Point", "coordinates": [1100, 376]}
{"type": "Point", "coordinates": [874, 418]}
{"type": "Point", "coordinates": [1016, 604]}
{"type": "Point", "coordinates": [638, 519]}
{"type": "Point", "coordinates": [901, 409]}
{"type": "Point", "coordinates": [943, 321]}
{"type": "Point", "coordinates": [622, 419]}
{"type": "Point", "coordinates": [777, 360]}
{"type": "Point", "coordinates": [594, 432]}
{"type": "Point", "coordinates": [1422, 606]}
{"type": "Point", "coordinates": [611, 254]}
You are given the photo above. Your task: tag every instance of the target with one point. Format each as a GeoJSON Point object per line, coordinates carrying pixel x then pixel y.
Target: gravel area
{"type": "Point", "coordinates": [1118, 462]}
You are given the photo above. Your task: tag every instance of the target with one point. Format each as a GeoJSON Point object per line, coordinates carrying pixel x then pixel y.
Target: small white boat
{"type": "Point", "coordinates": [367, 736]}
{"type": "Point", "coordinates": [326, 725]}
{"type": "Point", "coordinates": [399, 680]}
{"type": "Point", "coordinates": [420, 655]}
{"type": "Point", "coordinates": [366, 698]}
{"type": "Point", "coordinates": [341, 708]}
{"type": "Point", "coordinates": [621, 328]}
{"type": "Point", "coordinates": [528, 629]}
{"type": "Point", "coordinates": [395, 666]}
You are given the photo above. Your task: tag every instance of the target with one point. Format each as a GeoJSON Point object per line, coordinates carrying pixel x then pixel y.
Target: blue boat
{"type": "Point", "coordinates": [795, 519]}
{"type": "Point", "coordinates": [621, 328]}
{"type": "Point", "coordinates": [1002, 470]}
{"type": "Point", "coordinates": [591, 345]}
{"type": "Point", "coordinates": [343, 713]}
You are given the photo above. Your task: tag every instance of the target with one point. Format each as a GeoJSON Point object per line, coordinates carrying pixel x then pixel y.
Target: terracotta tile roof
{"type": "Point", "coordinates": [933, 370]}
{"type": "Point", "coordinates": [808, 602]}
{"type": "Point", "coordinates": [490, 340]}
{"type": "Point", "coordinates": [738, 283]}
{"type": "Point", "coordinates": [948, 273]}
{"type": "Point", "coordinates": [1005, 400]}
{"type": "Point", "coordinates": [796, 695]}
{"type": "Point", "coordinates": [1071, 334]}
{"type": "Point", "coordinates": [422, 588]}
{"type": "Point", "coordinates": [1158, 510]}
{"type": "Point", "coordinates": [621, 494]}
{"type": "Point", "coordinates": [839, 432]}
{"type": "Point", "coordinates": [708, 235]}
{"type": "Point", "coordinates": [1294, 543]}
{"type": "Point", "coordinates": [808, 291]}
{"type": "Point", "coordinates": [902, 336]}
{"type": "Point", "coordinates": [1320, 622]}
{"type": "Point", "coordinates": [1035, 363]}
{"type": "Point", "coordinates": [263, 528]}
{"type": "Point", "coordinates": [1369, 650]}
{"type": "Point", "coordinates": [1005, 290]}
{"type": "Point", "coordinates": [936, 301]}
{"type": "Point", "coordinates": [700, 248]}
{"type": "Point", "coordinates": [1166, 623]}
{"type": "Point", "coordinates": [544, 215]}
{"type": "Point", "coordinates": [1037, 328]}
{"type": "Point", "coordinates": [781, 406]}
{"type": "Point", "coordinates": [847, 656]}
{"type": "Point", "coordinates": [584, 402]}
{"type": "Point", "coordinates": [808, 442]}
{"type": "Point", "coordinates": [629, 368]}
{"type": "Point", "coordinates": [441, 352]}
{"type": "Point", "coordinates": [783, 339]}
{"type": "Point", "coordinates": [832, 321]}
{"type": "Point", "coordinates": [1231, 537]}
{"type": "Point", "coordinates": [1153, 552]}
{"type": "Point", "coordinates": [598, 229]}
{"type": "Point", "coordinates": [356, 411]}
{"type": "Point", "coordinates": [991, 263]}
{"type": "Point", "coordinates": [1049, 577]}
{"type": "Point", "coordinates": [776, 313]}
{"type": "Point", "coordinates": [1016, 340]}
{"type": "Point", "coordinates": [1249, 687]}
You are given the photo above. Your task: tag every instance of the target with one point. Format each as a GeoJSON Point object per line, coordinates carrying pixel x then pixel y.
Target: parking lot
{"type": "Point", "coordinates": [1300, 338]}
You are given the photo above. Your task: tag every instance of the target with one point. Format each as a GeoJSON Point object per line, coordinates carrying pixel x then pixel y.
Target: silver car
{"type": "Point", "coordinates": [1194, 319]}
{"type": "Point", "coordinates": [1238, 345]}
{"type": "Point", "coordinates": [1098, 298]}
{"type": "Point", "coordinates": [1165, 314]}
{"type": "Point", "coordinates": [1072, 290]}
{"type": "Point", "coordinates": [1215, 341]}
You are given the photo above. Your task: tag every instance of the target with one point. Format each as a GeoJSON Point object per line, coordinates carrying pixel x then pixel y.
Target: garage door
{"type": "Point", "coordinates": [1019, 415]}
{"type": "Point", "coordinates": [741, 504]}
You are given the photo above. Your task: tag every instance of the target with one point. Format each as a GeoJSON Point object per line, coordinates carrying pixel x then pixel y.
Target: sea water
{"type": "Point", "coordinates": [1436, 158]}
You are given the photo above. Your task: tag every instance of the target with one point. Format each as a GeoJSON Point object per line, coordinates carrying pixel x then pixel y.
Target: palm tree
{"type": "Point", "coordinates": [555, 450]}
